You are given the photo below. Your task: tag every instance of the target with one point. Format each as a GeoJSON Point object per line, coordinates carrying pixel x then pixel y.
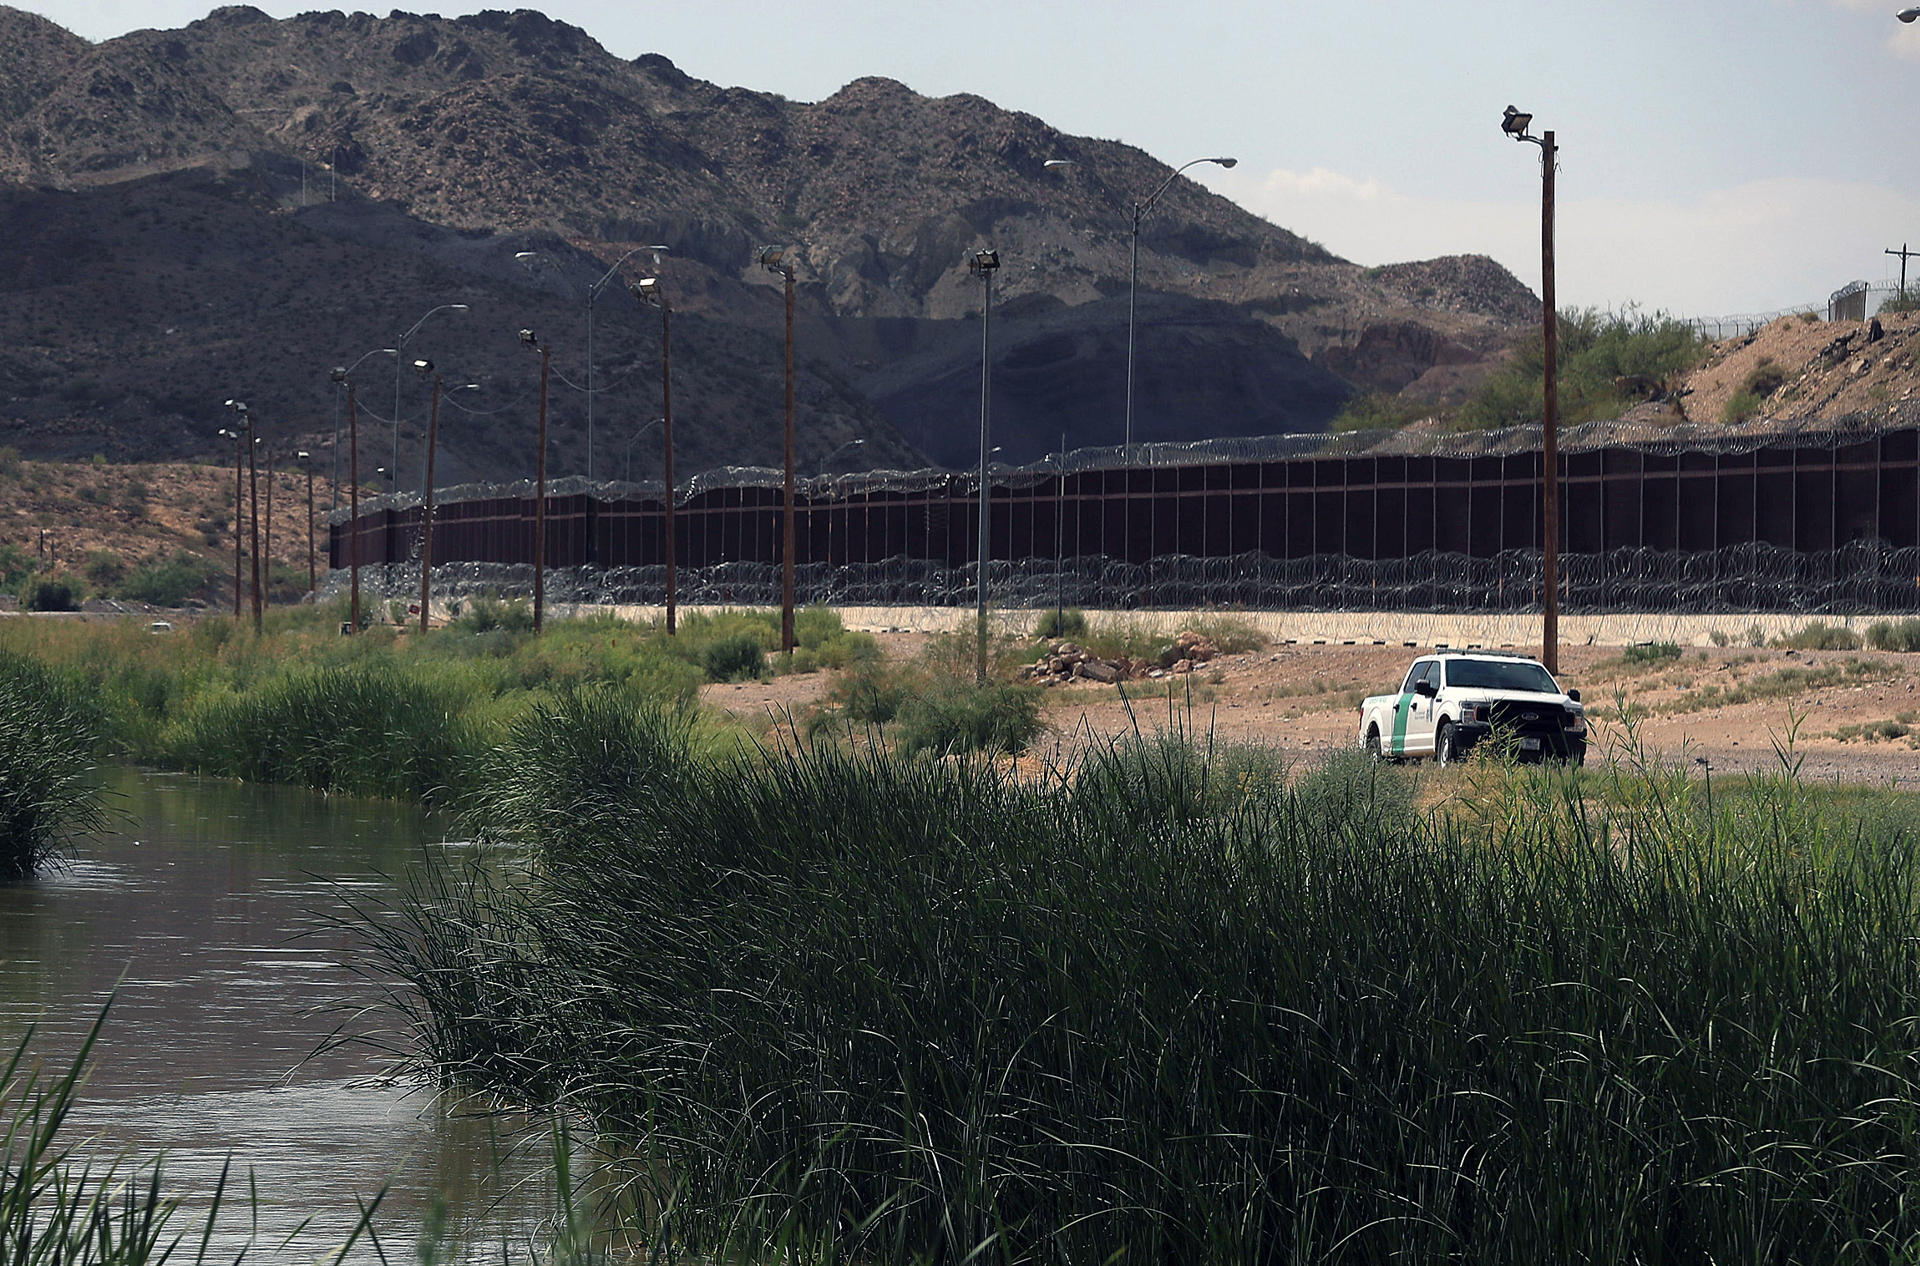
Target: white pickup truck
{"type": "Point", "coordinates": [1452, 700]}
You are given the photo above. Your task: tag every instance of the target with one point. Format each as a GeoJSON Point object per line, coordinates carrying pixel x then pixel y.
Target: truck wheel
{"type": "Point", "coordinates": [1443, 753]}
{"type": "Point", "coordinates": [1373, 743]}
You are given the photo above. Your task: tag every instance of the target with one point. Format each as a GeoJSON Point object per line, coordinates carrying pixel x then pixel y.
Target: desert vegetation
{"type": "Point", "coordinates": [1183, 1004]}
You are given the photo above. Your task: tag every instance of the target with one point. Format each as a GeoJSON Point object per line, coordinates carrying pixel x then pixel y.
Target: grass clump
{"type": "Point", "coordinates": [1820, 636]}
{"type": "Point", "coordinates": [49, 731]}
{"type": "Point", "coordinates": [1894, 635]}
{"type": "Point", "coordinates": [955, 717]}
{"type": "Point", "coordinates": [371, 728]}
{"type": "Point", "coordinates": [1061, 623]}
{"type": "Point", "coordinates": [1777, 685]}
{"type": "Point", "coordinates": [1650, 654]}
{"type": "Point", "coordinates": [886, 1010]}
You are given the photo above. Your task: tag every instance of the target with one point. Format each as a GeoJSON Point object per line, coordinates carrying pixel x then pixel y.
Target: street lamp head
{"type": "Point", "coordinates": [1515, 124]}
{"type": "Point", "coordinates": [423, 367]}
{"type": "Point", "coordinates": [527, 339]}
{"type": "Point", "coordinates": [775, 260]}
{"type": "Point", "coordinates": [1224, 162]}
{"type": "Point", "coordinates": [303, 455]}
{"type": "Point", "coordinates": [457, 307]}
{"type": "Point", "coordinates": [526, 255]}
{"type": "Point", "coordinates": [1908, 15]}
{"type": "Point", "coordinates": [225, 433]}
{"type": "Point", "coordinates": [648, 291]}
{"type": "Point", "coordinates": [983, 262]}
{"type": "Point", "coordinates": [1059, 162]}
{"type": "Point", "coordinates": [339, 373]}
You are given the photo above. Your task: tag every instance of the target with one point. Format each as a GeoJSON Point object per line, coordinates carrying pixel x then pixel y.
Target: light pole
{"type": "Point", "coordinates": [1139, 209]}
{"type": "Point", "coordinates": [239, 509]}
{"type": "Point", "coordinates": [593, 293]}
{"type": "Point", "coordinates": [779, 260]}
{"type": "Point", "coordinates": [983, 264]}
{"type": "Point", "coordinates": [425, 369]}
{"type": "Point", "coordinates": [529, 339]}
{"type": "Point", "coordinates": [399, 347]}
{"type": "Point", "coordinates": [1515, 124]}
{"type": "Point", "coordinates": [648, 290]}
{"type": "Point", "coordinates": [338, 376]}
{"type": "Point", "coordinates": [249, 442]}
{"type": "Point", "coordinates": [313, 574]}
{"type": "Point", "coordinates": [353, 498]}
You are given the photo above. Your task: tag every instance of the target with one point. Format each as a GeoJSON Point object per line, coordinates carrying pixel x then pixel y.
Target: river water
{"type": "Point", "coordinates": [213, 919]}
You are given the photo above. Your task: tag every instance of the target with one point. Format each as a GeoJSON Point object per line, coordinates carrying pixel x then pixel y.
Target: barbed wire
{"type": "Point", "coordinates": [1667, 439]}
{"type": "Point", "coordinates": [1859, 577]}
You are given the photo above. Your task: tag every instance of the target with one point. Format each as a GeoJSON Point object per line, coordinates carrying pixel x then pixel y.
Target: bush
{"type": "Point", "coordinates": [954, 718]}
{"type": "Point", "coordinates": [51, 593]}
{"type": "Point", "coordinates": [1595, 351]}
{"type": "Point", "coordinates": [1651, 653]}
{"type": "Point", "coordinates": [733, 657]}
{"type": "Point", "coordinates": [1740, 406]}
{"type": "Point", "coordinates": [1377, 410]}
{"type": "Point", "coordinates": [1894, 635]}
{"type": "Point", "coordinates": [1820, 636]}
{"type": "Point", "coordinates": [104, 570]}
{"type": "Point", "coordinates": [486, 614]}
{"type": "Point", "coordinates": [1059, 623]}
{"type": "Point", "coordinates": [171, 583]}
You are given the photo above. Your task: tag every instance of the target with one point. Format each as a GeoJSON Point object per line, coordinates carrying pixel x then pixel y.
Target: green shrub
{"type": "Point", "coordinates": [51, 593]}
{"type": "Point", "coordinates": [1595, 351]}
{"type": "Point", "coordinates": [1820, 636]}
{"type": "Point", "coordinates": [486, 614]}
{"type": "Point", "coordinates": [953, 717]}
{"type": "Point", "coordinates": [871, 694]}
{"type": "Point", "coordinates": [172, 582]}
{"type": "Point", "coordinates": [104, 570]}
{"type": "Point", "coordinates": [734, 657]}
{"type": "Point", "coordinates": [15, 566]}
{"type": "Point", "coordinates": [1894, 635]}
{"type": "Point", "coordinates": [1060, 623]}
{"type": "Point", "coordinates": [1651, 653]}
{"type": "Point", "coordinates": [1740, 406]}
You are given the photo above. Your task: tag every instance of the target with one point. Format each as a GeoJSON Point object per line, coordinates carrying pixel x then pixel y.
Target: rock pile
{"type": "Point", "coordinates": [1065, 661]}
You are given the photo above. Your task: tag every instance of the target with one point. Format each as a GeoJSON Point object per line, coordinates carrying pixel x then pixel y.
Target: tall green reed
{"type": "Point", "coordinates": [49, 729]}
{"type": "Point", "coordinates": [863, 1008]}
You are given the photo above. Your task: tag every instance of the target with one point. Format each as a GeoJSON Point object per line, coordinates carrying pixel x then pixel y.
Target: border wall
{"type": "Point", "coordinates": [1815, 517]}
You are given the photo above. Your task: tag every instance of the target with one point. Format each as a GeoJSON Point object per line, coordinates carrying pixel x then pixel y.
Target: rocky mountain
{"type": "Point", "coordinates": [253, 200]}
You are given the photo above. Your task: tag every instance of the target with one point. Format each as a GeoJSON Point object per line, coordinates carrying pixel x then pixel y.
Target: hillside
{"type": "Point", "coordinates": [281, 195]}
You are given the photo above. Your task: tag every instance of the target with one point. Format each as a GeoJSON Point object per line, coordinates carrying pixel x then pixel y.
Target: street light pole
{"type": "Point", "coordinates": [399, 349]}
{"type": "Point", "coordinates": [313, 574]}
{"type": "Point", "coordinates": [1139, 209]}
{"type": "Point", "coordinates": [983, 263]}
{"type": "Point", "coordinates": [338, 377]}
{"type": "Point", "coordinates": [1514, 124]}
{"type": "Point", "coordinates": [239, 512]}
{"type": "Point", "coordinates": [649, 290]}
{"type": "Point", "coordinates": [425, 368]}
{"type": "Point", "coordinates": [778, 259]}
{"type": "Point", "coordinates": [528, 339]}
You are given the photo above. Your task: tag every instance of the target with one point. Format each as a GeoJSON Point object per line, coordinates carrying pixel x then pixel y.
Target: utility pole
{"type": "Point", "coordinates": [1904, 255]}
{"type": "Point", "coordinates": [353, 505]}
{"type": "Point", "coordinates": [1550, 423]}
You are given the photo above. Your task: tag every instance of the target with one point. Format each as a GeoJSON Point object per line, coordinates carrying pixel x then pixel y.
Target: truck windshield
{"type": "Point", "coordinates": [1490, 674]}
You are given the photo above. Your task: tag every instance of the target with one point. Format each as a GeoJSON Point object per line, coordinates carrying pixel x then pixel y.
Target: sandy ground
{"type": "Point", "coordinates": [1304, 700]}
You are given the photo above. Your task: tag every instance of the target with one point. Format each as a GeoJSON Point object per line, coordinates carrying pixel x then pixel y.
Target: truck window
{"type": "Point", "coordinates": [1510, 674]}
{"type": "Point", "coordinates": [1421, 668]}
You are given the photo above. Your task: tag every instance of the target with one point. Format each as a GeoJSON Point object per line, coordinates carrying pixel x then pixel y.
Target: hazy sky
{"type": "Point", "coordinates": [1717, 156]}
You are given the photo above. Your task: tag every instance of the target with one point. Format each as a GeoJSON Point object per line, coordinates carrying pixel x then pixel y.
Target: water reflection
{"type": "Point", "coordinates": [212, 919]}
